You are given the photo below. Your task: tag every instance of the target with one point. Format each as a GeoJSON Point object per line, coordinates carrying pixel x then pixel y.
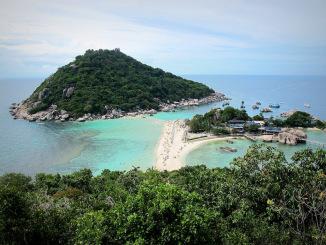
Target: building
{"type": "Point", "coordinates": [236, 126]}
{"type": "Point", "coordinates": [270, 130]}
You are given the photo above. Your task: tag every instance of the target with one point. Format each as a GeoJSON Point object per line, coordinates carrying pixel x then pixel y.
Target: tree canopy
{"type": "Point", "coordinates": [215, 119]}
{"type": "Point", "coordinates": [260, 199]}
{"type": "Point", "coordinates": [109, 78]}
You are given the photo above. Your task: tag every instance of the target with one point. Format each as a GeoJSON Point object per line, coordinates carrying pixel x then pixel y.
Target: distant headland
{"type": "Point", "coordinates": [105, 84]}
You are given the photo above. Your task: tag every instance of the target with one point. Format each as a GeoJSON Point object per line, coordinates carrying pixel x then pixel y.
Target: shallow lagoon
{"type": "Point", "coordinates": [123, 143]}
{"type": "Point", "coordinates": [211, 155]}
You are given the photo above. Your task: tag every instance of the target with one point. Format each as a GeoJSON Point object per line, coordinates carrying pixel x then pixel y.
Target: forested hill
{"type": "Point", "coordinates": [109, 78]}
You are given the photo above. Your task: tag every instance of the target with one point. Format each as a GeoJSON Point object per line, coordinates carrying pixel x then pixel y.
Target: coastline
{"type": "Point", "coordinates": [173, 147]}
{"type": "Point", "coordinates": [53, 113]}
{"type": "Point", "coordinates": [174, 144]}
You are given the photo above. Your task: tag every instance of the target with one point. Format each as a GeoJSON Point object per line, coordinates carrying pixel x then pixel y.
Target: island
{"type": "Point", "coordinates": [180, 137]}
{"type": "Point", "coordinates": [105, 84]}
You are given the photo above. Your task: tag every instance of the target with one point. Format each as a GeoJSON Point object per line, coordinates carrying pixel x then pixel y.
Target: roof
{"type": "Point", "coordinates": [235, 121]}
{"type": "Point", "coordinates": [237, 126]}
{"type": "Point", "coordinates": [271, 129]}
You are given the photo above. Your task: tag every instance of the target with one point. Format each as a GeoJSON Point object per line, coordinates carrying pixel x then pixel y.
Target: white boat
{"type": "Point", "coordinates": [307, 105]}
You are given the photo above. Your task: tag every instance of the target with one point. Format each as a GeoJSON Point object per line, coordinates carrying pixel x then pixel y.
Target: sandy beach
{"type": "Point", "coordinates": [173, 146]}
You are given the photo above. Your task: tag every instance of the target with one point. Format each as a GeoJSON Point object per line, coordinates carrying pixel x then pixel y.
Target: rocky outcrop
{"type": "Point", "coordinates": [291, 136]}
{"type": "Point", "coordinates": [43, 94]}
{"type": "Point", "coordinates": [288, 113]}
{"type": "Point", "coordinates": [21, 111]}
{"type": "Point", "coordinates": [215, 97]}
{"type": "Point", "coordinates": [67, 92]}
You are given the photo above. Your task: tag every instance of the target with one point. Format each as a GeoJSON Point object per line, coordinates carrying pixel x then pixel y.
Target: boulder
{"type": "Point", "coordinates": [67, 92]}
{"type": "Point", "coordinates": [43, 94]}
{"type": "Point", "coordinates": [81, 119]}
{"type": "Point", "coordinates": [291, 136]}
{"type": "Point", "coordinates": [49, 116]}
{"type": "Point", "coordinates": [152, 111]}
{"type": "Point", "coordinates": [36, 104]}
{"type": "Point", "coordinates": [65, 116]}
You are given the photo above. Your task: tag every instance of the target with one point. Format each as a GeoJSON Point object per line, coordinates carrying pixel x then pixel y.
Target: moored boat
{"type": "Point", "coordinates": [274, 106]}
{"type": "Point", "coordinates": [266, 110]}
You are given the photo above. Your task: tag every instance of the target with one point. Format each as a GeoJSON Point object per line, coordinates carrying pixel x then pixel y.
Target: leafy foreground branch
{"type": "Point", "coordinates": [260, 199]}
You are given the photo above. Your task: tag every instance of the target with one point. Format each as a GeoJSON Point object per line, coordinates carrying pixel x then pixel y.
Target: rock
{"type": "Point", "coordinates": [36, 104]}
{"type": "Point", "coordinates": [65, 116]}
{"type": "Point", "coordinates": [152, 111]}
{"type": "Point", "coordinates": [291, 136]}
{"type": "Point", "coordinates": [288, 113]}
{"type": "Point", "coordinates": [81, 119]}
{"type": "Point", "coordinates": [43, 94]}
{"type": "Point", "coordinates": [49, 116]}
{"type": "Point", "coordinates": [67, 92]}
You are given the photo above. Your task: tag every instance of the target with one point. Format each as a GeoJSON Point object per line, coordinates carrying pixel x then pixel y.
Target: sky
{"type": "Point", "coordinates": [274, 37]}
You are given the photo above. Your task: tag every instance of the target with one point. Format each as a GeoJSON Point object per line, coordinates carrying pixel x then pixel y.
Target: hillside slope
{"type": "Point", "coordinates": [108, 79]}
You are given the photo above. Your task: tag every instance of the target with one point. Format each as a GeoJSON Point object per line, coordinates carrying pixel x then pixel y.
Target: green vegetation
{"type": "Point", "coordinates": [320, 124]}
{"type": "Point", "coordinates": [111, 78]}
{"type": "Point", "coordinates": [259, 117]}
{"type": "Point", "coordinates": [220, 131]}
{"type": "Point", "coordinates": [260, 199]}
{"type": "Point", "coordinates": [299, 119]}
{"type": "Point", "coordinates": [254, 128]}
{"type": "Point", "coordinates": [215, 120]}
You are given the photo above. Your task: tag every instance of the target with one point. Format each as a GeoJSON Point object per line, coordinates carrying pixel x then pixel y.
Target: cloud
{"type": "Point", "coordinates": [180, 36]}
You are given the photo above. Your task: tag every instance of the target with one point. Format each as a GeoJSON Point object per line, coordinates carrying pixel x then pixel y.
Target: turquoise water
{"type": "Point", "coordinates": [211, 155]}
{"type": "Point", "coordinates": [118, 144]}
{"type": "Point", "coordinates": [123, 143]}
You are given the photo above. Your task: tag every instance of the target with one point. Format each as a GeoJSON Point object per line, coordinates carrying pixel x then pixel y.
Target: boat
{"type": "Point", "coordinates": [255, 107]}
{"type": "Point", "coordinates": [307, 105]}
{"type": "Point", "coordinates": [228, 149]}
{"type": "Point", "coordinates": [266, 109]}
{"type": "Point", "coordinates": [274, 105]}
{"type": "Point", "coordinates": [258, 103]}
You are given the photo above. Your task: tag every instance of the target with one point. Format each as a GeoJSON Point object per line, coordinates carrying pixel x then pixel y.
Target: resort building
{"type": "Point", "coordinates": [236, 126]}
{"type": "Point", "coordinates": [270, 130]}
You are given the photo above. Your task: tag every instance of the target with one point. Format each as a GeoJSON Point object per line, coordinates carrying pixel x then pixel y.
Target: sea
{"type": "Point", "coordinates": [123, 144]}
